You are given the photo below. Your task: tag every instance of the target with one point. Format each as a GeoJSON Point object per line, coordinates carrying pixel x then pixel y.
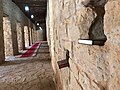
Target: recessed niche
{"type": "Point", "coordinates": [99, 42]}
{"type": "Point", "coordinates": [96, 30]}
{"type": "Point", "coordinates": [26, 37]}
{"type": "Point", "coordinates": [19, 36]}
{"type": "Point", "coordinates": [30, 30]}
{"type": "Point", "coordinates": [7, 37]}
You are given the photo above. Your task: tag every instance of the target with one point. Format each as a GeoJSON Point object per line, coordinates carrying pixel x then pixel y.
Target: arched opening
{"type": "Point", "coordinates": [96, 29]}
{"type": "Point", "coordinates": [40, 34]}
{"type": "Point", "coordinates": [30, 35]}
{"type": "Point", "coordinates": [26, 36]}
{"type": "Point", "coordinates": [7, 37]}
{"type": "Point", "coordinates": [19, 36]}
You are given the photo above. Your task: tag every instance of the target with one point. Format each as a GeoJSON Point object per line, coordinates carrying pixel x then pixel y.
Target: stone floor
{"type": "Point", "coordinates": [33, 73]}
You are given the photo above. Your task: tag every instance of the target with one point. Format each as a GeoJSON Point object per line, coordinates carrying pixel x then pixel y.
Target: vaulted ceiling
{"type": "Point", "coordinates": [37, 8]}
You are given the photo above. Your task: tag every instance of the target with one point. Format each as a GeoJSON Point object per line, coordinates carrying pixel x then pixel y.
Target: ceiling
{"type": "Point", "coordinates": [38, 8]}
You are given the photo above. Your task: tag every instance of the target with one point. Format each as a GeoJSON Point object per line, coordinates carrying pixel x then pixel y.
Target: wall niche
{"type": "Point", "coordinates": [7, 36]}
{"type": "Point", "coordinates": [96, 30]}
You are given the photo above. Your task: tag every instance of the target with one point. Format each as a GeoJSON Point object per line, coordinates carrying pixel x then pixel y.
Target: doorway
{"type": "Point", "coordinates": [7, 37]}
{"type": "Point", "coordinates": [19, 36]}
{"type": "Point", "coordinates": [26, 36]}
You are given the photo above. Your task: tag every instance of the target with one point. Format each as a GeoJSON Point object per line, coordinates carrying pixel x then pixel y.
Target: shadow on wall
{"type": "Point", "coordinates": [96, 30]}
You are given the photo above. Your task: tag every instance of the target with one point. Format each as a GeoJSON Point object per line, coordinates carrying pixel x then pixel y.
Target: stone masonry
{"type": "Point", "coordinates": [32, 73]}
{"type": "Point", "coordinates": [19, 36]}
{"type": "Point", "coordinates": [17, 16]}
{"type": "Point", "coordinates": [13, 39]}
{"type": "Point", "coordinates": [2, 56]}
{"type": "Point", "coordinates": [26, 36]}
{"type": "Point", "coordinates": [7, 37]}
{"type": "Point", "coordinates": [91, 67]}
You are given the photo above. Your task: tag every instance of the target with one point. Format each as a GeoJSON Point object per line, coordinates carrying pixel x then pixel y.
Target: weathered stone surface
{"type": "Point", "coordinates": [33, 73]}
{"type": "Point", "coordinates": [112, 30]}
{"type": "Point", "coordinates": [7, 37]}
{"type": "Point", "coordinates": [26, 36]}
{"type": "Point", "coordinates": [91, 67]}
{"type": "Point", "coordinates": [15, 15]}
{"type": "Point", "coordinates": [1, 34]}
{"type": "Point", "coordinates": [30, 36]}
{"type": "Point", "coordinates": [19, 36]}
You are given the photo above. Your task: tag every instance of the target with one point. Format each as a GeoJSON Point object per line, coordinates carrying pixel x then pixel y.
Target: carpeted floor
{"type": "Point", "coordinates": [31, 51]}
{"type": "Point", "coordinates": [31, 73]}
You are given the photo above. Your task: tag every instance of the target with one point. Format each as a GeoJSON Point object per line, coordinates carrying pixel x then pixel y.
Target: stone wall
{"type": "Point", "coordinates": [40, 35]}
{"type": "Point", "coordinates": [91, 67]}
{"type": "Point", "coordinates": [12, 30]}
{"type": "Point", "coordinates": [19, 36]}
{"type": "Point", "coordinates": [2, 54]}
{"type": "Point", "coordinates": [16, 15]}
{"type": "Point", "coordinates": [31, 35]}
{"type": "Point", "coordinates": [18, 20]}
{"type": "Point", "coordinates": [26, 36]}
{"type": "Point", "coordinates": [30, 31]}
{"type": "Point", "coordinates": [7, 37]}
{"type": "Point", "coordinates": [112, 30]}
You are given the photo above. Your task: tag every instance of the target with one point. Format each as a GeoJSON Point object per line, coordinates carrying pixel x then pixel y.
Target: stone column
{"type": "Point", "coordinates": [29, 36]}
{"type": "Point", "coordinates": [14, 37]}
{"type": "Point", "coordinates": [23, 37]}
{"type": "Point", "coordinates": [32, 35]}
{"type": "Point", "coordinates": [2, 55]}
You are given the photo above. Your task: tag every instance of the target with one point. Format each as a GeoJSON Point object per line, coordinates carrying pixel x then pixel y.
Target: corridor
{"type": "Point", "coordinates": [31, 73]}
{"type": "Point", "coordinates": [59, 45]}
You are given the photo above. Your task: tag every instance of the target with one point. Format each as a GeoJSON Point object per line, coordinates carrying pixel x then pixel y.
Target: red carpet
{"type": "Point", "coordinates": [30, 52]}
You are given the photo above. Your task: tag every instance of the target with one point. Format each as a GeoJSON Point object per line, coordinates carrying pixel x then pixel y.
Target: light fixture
{"type": "Point", "coordinates": [40, 28]}
{"type": "Point", "coordinates": [38, 24]}
{"type": "Point", "coordinates": [99, 42]}
{"type": "Point", "coordinates": [26, 8]}
{"type": "Point", "coordinates": [32, 16]}
{"type": "Point", "coordinates": [82, 41]}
